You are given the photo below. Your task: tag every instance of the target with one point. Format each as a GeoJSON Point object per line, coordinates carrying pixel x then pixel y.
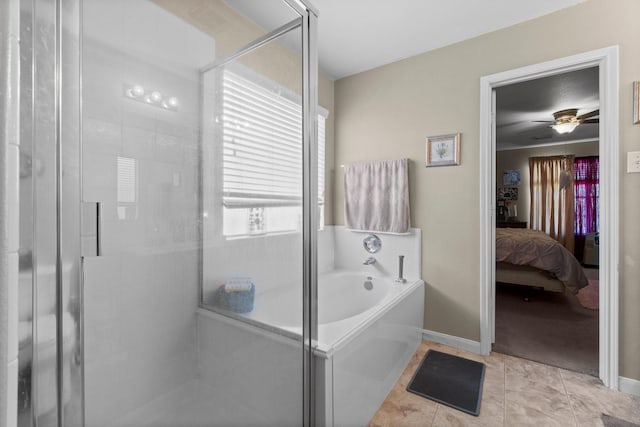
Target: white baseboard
{"type": "Point", "coordinates": [453, 341]}
{"type": "Point", "coordinates": [629, 385]}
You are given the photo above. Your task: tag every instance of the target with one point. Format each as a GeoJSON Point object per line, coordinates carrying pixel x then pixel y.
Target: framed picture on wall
{"type": "Point", "coordinates": [511, 177]}
{"type": "Point", "coordinates": [443, 150]}
{"type": "Point", "coordinates": [508, 193]}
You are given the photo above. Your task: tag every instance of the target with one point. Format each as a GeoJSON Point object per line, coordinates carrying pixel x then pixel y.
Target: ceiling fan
{"type": "Point", "coordinates": [565, 121]}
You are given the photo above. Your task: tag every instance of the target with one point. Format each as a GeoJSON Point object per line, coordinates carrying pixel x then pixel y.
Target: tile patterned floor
{"type": "Point", "coordinates": [517, 392]}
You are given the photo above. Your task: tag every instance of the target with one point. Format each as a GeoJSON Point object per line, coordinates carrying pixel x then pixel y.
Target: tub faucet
{"type": "Point", "coordinates": [369, 261]}
{"type": "Point", "coordinates": [400, 279]}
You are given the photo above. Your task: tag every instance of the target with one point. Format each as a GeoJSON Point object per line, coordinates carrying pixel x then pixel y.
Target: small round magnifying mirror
{"type": "Point", "coordinates": [372, 243]}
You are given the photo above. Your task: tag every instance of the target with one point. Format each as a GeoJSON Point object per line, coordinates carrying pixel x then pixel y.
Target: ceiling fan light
{"type": "Point", "coordinates": [565, 127]}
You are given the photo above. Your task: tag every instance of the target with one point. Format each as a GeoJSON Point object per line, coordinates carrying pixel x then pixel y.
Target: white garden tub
{"type": "Point", "coordinates": [345, 300]}
{"type": "Point", "coordinates": [341, 294]}
{"type": "Point", "coordinates": [369, 327]}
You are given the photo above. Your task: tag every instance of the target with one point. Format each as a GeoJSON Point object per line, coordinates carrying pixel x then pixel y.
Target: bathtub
{"type": "Point", "coordinates": [345, 300]}
{"type": "Point", "coordinates": [368, 329]}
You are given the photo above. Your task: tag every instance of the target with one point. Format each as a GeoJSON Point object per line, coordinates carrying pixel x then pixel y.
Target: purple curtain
{"type": "Point", "coordinates": [586, 181]}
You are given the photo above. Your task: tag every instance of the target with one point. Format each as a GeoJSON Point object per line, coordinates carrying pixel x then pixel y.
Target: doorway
{"type": "Point", "coordinates": [538, 317]}
{"type": "Point", "coordinates": [606, 61]}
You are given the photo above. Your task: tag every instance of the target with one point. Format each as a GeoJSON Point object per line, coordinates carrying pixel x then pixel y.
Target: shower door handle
{"type": "Point", "coordinates": [91, 229]}
{"type": "Point", "coordinates": [98, 229]}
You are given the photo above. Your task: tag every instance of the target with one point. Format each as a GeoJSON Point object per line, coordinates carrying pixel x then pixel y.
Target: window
{"type": "Point", "coordinates": [586, 182]}
{"type": "Point", "coordinates": [552, 201]}
{"type": "Point", "coordinates": [262, 156]}
{"type": "Point", "coordinates": [127, 187]}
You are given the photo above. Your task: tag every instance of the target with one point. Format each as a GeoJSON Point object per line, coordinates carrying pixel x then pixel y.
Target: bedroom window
{"type": "Point", "coordinates": [262, 156]}
{"type": "Point", "coordinates": [586, 182]}
{"type": "Point", "coordinates": [552, 202]}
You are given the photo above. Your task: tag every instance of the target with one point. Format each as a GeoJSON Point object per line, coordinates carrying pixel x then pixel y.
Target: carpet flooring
{"type": "Point", "coordinates": [589, 295]}
{"type": "Point", "coordinates": [547, 327]}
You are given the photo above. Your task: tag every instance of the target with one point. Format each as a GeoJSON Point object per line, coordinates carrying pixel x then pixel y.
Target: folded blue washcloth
{"type": "Point", "coordinates": [236, 295]}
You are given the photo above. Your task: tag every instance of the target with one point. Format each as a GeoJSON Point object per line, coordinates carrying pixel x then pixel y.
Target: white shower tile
{"type": "Point", "coordinates": [89, 245]}
{"type": "Point", "coordinates": [137, 141]}
{"type": "Point", "coordinates": [100, 378]}
{"type": "Point", "coordinates": [13, 307]}
{"type": "Point", "coordinates": [104, 96]}
{"type": "Point", "coordinates": [88, 220]}
{"type": "Point", "coordinates": [100, 171]}
{"type": "Point", "coordinates": [101, 136]}
{"type": "Point", "coordinates": [13, 198]}
{"type": "Point", "coordinates": [103, 299]}
{"type": "Point", "coordinates": [101, 289]}
{"type": "Point", "coordinates": [170, 148]}
{"type": "Point", "coordinates": [12, 394]}
{"type": "Point", "coordinates": [103, 103]}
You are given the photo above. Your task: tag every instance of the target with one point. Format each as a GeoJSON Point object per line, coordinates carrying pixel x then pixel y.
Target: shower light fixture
{"type": "Point", "coordinates": [151, 97]}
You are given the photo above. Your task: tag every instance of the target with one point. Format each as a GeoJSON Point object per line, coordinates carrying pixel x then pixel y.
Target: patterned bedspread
{"type": "Point", "coordinates": [536, 249]}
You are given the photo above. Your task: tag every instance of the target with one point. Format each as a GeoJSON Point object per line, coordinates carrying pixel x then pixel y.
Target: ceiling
{"type": "Point", "coordinates": [359, 35]}
{"type": "Point", "coordinates": [521, 107]}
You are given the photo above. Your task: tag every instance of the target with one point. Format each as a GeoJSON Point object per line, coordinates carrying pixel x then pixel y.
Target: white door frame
{"type": "Point", "coordinates": [607, 61]}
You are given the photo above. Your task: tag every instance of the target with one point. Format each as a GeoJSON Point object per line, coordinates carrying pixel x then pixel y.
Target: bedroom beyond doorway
{"type": "Point", "coordinates": [606, 61]}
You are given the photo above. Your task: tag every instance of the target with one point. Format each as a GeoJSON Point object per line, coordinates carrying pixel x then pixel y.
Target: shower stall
{"type": "Point", "coordinates": [168, 167]}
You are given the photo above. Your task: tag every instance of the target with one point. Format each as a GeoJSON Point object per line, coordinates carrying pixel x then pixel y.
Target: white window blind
{"type": "Point", "coordinates": [262, 153]}
{"type": "Point", "coordinates": [127, 186]}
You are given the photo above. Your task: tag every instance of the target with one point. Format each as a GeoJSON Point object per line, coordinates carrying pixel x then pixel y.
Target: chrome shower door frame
{"type": "Point", "coordinates": [49, 283]}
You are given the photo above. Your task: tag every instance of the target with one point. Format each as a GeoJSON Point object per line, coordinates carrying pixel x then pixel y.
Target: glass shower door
{"type": "Point", "coordinates": [180, 153]}
{"type": "Point", "coordinates": [140, 123]}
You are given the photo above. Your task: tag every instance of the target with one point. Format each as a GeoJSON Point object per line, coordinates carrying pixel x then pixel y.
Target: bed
{"type": "Point", "coordinates": [532, 258]}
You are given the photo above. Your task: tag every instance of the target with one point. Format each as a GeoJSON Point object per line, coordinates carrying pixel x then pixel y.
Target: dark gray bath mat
{"type": "Point", "coordinates": [610, 421]}
{"type": "Point", "coordinates": [451, 380]}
